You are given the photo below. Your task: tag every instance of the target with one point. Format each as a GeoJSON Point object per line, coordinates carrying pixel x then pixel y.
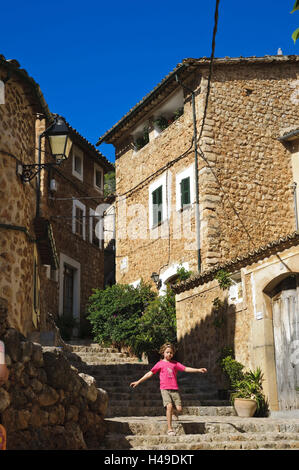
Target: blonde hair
{"type": "Point", "coordinates": [165, 346]}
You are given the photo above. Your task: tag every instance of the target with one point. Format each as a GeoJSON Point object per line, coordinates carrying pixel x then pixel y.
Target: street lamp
{"type": "Point", "coordinates": [58, 135]}
{"type": "Point", "coordinates": [59, 139]}
{"type": "Point", "coordinates": [60, 144]}
{"type": "Point", "coordinates": [157, 281]}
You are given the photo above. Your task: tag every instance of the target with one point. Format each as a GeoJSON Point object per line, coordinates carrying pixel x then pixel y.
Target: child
{"type": "Point", "coordinates": [168, 382]}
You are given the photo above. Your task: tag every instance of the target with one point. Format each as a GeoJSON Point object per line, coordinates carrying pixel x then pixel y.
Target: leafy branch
{"type": "Point", "coordinates": [295, 34]}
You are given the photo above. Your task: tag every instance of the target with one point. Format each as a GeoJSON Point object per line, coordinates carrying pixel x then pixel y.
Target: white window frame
{"type": "Point", "coordinates": [81, 206]}
{"type": "Point", "coordinates": [186, 173]}
{"type": "Point", "coordinates": [166, 185]}
{"type": "Point", "coordinates": [100, 169]}
{"type": "Point", "coordinates": [64, 259]}
{"type": "Point", "coordinates": [235, 293]}
{"type": "Point", "coordinates": [93, 214]}
{"type": "Point", "coordinates": [76, 152]}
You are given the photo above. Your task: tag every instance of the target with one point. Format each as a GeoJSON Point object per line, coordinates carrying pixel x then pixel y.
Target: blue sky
{"type": "Point", "coordinates": [95, 60]}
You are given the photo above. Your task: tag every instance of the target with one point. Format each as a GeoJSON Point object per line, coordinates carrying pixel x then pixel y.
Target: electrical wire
{"type": "Point", "coordinates": [201, 153]}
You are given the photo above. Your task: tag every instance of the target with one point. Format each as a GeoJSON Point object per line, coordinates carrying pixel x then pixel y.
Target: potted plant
{"type": "Point", "coordinates": [232, 370]}
{"type": "Point", "coordinates": [142, 140]}
{"type": "Point", "coordinates": [161, 122]}
{"type": "Point", "coordinates": [248, 397]}
{"type": "Point", "coordinates": [245, 388]}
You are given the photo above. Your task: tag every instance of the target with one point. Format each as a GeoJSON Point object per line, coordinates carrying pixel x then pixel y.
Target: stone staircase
{"type": "Point", "coordinates": [136, 419]}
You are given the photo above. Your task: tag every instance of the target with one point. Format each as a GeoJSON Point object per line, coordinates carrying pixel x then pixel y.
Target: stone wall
{"type": "Point", "coordinates": [245, 174]}
{"type": "Point", "coordinates": [249, 108]}
{"type": "Point", "coordinates": [46, 404]}
{"type": "Point", "coordinates": [207, 322]}
{"type": "Point", "coordinates": [17, 203]}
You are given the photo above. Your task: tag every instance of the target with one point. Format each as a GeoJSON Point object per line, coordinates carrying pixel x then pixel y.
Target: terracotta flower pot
{"type": "Point", "coordinates": [245, 407]}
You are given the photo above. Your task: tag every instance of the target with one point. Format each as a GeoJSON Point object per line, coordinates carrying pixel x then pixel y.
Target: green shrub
{"type": "Point", "coordinates": [223, 278]}
{"type": "Point", "coordinates": [157, 325]}
{"type": "Point", "coordinates": [134, 317]}
{"type": "Point", "coordinates": [114, 313]}
{"type": "Point", "coordinates": [232, 369]}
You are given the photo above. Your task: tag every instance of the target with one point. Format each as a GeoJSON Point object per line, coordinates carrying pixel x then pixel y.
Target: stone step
{"type": "Point", "coordinates": [100, 354]}
{"type": "Point", "coordinates": [95, 348]}
{"type": "Point", "coordinates": [117, 370]}
{"type": "Point", "coordinates": [227, 445]}
{"type": "Point", "coordinates": [211, 441]}
{"type": "Point", "coordinates": [157, 402]}
{"type": "Point", "coordinates": [127, 395]}
{"type": "Point", "coordinates": [107, 361]}
{"type": "Point", "coordinates": [190, 424]}
{"type": "Point", "coordinates": [158, 410]}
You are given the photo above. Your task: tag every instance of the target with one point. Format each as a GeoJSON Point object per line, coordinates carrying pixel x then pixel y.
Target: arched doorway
{"type": "Point", "coordinates": [285, 310]}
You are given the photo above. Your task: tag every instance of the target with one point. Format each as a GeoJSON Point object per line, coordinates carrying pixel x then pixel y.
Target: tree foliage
{"type": "Point", "coordinates": [157, 325]}
{"type": "Point", "coordinates": [109, 183]}
{"type": "Point", "coordinates": [135, 317]}
{"type": "Point", "coordinates": [295, 34]}
{"type": "Point", "coordinates": [114, 312]}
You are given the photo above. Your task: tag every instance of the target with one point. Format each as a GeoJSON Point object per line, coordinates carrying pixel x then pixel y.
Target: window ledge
{"type": "Point", "coordinates": [185, 208]}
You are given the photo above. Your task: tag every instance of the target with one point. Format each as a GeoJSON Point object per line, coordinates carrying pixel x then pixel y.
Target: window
{"type": "Point", "coordinates": [168, 112]}
{"type": "Point", "coordinates": [78, 218]}
{"type": "Point", "coordinates": [159, 210]}
{"type": "Point", "coordinates": [157, 205]}
{"type": "Point", "coordinates": [98, 177]}
{"type": "Point", "coordinates": [185, 190]}
{"type": "Point", "coordinates": [77, 169]}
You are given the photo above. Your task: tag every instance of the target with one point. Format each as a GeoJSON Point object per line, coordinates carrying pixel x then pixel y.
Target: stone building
{"type": "Point", "coordinates": [51, 257]}
{"type": "Point", "coordinates": [21, 101]}
{"type": "Point", "coordinates": [205, 172]}
{"type": "Point", "coordinates": [73, 191]}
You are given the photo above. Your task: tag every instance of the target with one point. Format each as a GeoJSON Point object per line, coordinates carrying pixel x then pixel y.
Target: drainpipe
{"type": "Point", "coordinates": [197, 215]}
{"type": "Point", "coordinates": [38, 175]}
{"type": "Point", "coordinates": [294, 186]}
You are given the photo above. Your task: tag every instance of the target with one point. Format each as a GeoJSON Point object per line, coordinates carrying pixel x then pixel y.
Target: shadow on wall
{"type": "Point", "coordinates": [206, 341]}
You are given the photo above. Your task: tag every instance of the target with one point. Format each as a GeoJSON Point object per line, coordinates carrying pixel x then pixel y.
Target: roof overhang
{"type": "Point", "coordinates": [169, 84]}
{"type": "Point", "coordinates": [12, 68]}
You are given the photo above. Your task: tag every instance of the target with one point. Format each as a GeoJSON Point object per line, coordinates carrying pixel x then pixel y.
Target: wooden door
{"type": "Point", "coordinates": [286, 340]}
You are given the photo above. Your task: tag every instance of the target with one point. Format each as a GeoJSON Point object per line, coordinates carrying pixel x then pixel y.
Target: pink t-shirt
{"type": "Point", "coordinates": [168, 372]}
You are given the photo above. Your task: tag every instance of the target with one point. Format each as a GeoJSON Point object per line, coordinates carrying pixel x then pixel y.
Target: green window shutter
{"type": "Point", "coordinates": [185, 192]}
{"type": "Point", "coordinates": [157, 205]}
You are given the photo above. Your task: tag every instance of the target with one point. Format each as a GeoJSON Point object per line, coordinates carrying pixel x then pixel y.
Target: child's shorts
{"type": "Point", "coordinates": [171, 396]}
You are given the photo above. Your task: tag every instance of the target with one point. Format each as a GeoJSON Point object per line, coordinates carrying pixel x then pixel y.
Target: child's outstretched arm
{"type": "Point", "coordinates": [191, 369]}
{"type": "Point", "coordinates": [146, 376]}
